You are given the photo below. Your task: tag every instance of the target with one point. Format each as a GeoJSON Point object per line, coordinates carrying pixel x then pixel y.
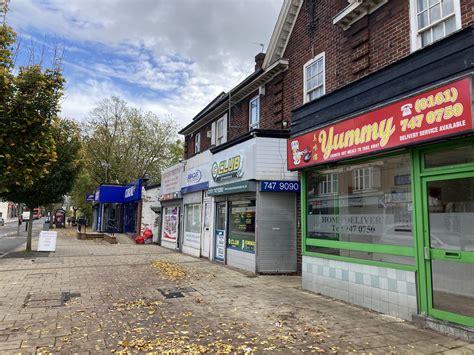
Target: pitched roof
{"type": "Point", "coordinates": [282, 31]}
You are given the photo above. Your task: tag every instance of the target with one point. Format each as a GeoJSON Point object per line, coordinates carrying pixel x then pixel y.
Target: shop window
{"type": "Point", "coordinates": [254, 112]}
{"type": "Point", "coordinates": [193, 218]}
{"type": "Point", "coordinates": [366, 178]}
{"type": "Point", "coordinates": [328, 184]}
{"type": "Point", "coordinates": [242, 226]}
{"type": "Point", "coordinates": [452, 156]}
{"type": "Point", "coordinates": [379, 213]}
{"type": "Point", "coordinates": [197, 142]}
{"type": "Point", "coordinates": [314, 77]}
{"type": "Point", "coordinates": [432, 20]}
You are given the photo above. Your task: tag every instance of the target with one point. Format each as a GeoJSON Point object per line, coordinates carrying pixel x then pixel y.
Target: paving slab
{"type": "Point", "coordinates": [117, 302]}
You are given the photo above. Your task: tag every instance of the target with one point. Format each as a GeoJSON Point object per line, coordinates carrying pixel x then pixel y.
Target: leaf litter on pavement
{"type": "Point", "coordinates": [168, 270]}
{"type": "Point", "coordinates": [155, 327]}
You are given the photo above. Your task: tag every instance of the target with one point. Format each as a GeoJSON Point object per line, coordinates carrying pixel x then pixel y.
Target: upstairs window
{"type": "Point", "coordinates": [254, 112]}
{"type": "Point", "coordinates": [220, 132]}
{"type": "Point", "coordinates": [197, 142]}
{"type": "Point", "coordinates": [433, 20]}
{"type": "Point", "coordinates": [314, 77]}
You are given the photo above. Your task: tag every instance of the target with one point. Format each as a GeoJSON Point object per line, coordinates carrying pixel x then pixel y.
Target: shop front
{"type": "Point", "coordinates": [107, 208]}
{"type": "Point", "coordinates": [195, 182]}
{"type": "Point", "coordinates": [254, 225]}
{"type": "Point", "coordinates": [388, 204]}
{"type": "Point", "coordinates": [132, 207]}
{"type": "Point", "coordinates": [171, 202]}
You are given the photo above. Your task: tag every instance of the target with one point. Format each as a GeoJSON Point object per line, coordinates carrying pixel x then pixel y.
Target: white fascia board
{"type": "Point", "coordinates": [347, 17]}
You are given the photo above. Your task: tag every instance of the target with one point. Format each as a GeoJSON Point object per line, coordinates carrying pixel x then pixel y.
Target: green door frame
{"type": "Point", "coordinates": [421, 176]}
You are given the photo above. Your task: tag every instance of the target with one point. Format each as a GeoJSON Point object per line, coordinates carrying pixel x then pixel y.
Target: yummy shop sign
{"type": "Point", "coordinates": [433, 114]}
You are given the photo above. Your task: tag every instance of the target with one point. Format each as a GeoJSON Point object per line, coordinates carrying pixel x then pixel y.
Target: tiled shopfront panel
{"type": "Point", "coordinates": [384, 290]}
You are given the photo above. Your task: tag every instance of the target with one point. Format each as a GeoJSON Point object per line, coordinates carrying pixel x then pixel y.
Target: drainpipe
{"type": "Point", "coordinates": [228, 116]}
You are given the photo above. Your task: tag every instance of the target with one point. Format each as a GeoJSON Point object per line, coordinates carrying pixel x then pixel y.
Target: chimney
{"type": "Point", "coordinates": [259, 60]}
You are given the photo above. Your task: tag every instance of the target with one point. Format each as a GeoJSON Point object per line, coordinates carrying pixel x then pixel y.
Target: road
{"type": "Point", "coordinates": [8, 238]}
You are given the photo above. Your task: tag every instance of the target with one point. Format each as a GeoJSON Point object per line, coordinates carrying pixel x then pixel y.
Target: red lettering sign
{"type": "Point", "coordinates": [436, 113]}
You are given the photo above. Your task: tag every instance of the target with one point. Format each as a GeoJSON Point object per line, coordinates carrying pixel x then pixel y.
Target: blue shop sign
{"type": "Point", "coordinates": [109, 194]}
{"type": "Point", "coordinates": [90, 197]}
{"type": "Point", "coordinates": [279, 186]}
{"type": "Point", "coordinates": [133, 191]}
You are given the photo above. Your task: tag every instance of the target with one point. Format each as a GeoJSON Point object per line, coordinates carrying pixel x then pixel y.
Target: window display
{"type": "Point", "coordinates": [193, 218]}
{"type": "Point", "coordinates": [365, 203]}
{"type": "Point", "coordinates": [192, 226]}
{"type": "Point", "coordinates": [242, 226]}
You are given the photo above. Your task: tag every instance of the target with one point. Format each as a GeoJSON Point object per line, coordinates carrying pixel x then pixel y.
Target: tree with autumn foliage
{"type": "Point", "coordinates": [62, 172]}
{"type": "Point", "coordinates": [29, 101]}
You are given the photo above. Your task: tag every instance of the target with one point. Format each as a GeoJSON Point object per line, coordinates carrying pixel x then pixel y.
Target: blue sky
{"type": "Point", "coordinates": [167, 56]}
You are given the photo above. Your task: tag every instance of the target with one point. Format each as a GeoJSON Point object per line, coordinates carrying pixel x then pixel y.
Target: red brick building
{"type": "Point", "coordinates": [330, 62]}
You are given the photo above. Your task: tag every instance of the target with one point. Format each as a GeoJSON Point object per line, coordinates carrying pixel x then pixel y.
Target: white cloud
{"type": "Point", "coordinates": [184, 52]}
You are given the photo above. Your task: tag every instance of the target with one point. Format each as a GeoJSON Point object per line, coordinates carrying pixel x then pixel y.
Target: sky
{"type": "Point", "coordinates": [171, 57]}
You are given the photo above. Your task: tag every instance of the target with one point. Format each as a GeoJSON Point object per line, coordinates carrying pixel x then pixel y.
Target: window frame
{"type": "Point", "coordinates": [220, 120]}
{"type": "Point", "coordinates": [415, 34]}
{"type": "Point", "coordinates": [396, 250]}
{"type": "Point", "coordinates": [192, 207]}
{"type": "Point", "coordinates": [257, 122]}
{"type": "Point", "coordinates": [197, 143]}
{"type": "Point", "coordinates": [320, 56]}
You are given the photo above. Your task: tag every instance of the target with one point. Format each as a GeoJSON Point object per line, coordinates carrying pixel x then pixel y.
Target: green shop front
{"type": "Point", "coordinates": [254, 206]}
{"type": "Point", "coordinates": [388, 204]}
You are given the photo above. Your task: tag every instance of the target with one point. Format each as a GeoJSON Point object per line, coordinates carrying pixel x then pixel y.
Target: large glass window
{"type": "Point", "coordinates": [242, 226]}
{"type": "Point", "coordinates": [363, 203]}
{"type": "Point", "coordinates": [193, 218]}
{"type": "Point", "coordinates": [451, 156]}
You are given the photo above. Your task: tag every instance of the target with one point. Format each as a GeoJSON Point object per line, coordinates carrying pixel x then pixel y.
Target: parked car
{"type": "Point", "coordinates": [2, 221]}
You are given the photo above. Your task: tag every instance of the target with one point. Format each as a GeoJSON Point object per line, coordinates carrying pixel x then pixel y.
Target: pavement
{"type": "Point", "coordinates": [91, 297]}
{"type": "Point", "coordinates": [9, 240]}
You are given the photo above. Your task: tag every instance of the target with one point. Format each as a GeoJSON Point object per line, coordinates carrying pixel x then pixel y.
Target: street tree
{"type": "Point", "coordinates": [62, 172]}
{"type": "Point", "coordinates": [83, 185]}
{"type": "Point", "coordinates": [29, 100]}
{"type": "Point", "coordinates": [123, 143]}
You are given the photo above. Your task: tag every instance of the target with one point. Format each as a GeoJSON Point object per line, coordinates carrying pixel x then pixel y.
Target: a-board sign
{"type": "Point", "coordinates": [47, 241]}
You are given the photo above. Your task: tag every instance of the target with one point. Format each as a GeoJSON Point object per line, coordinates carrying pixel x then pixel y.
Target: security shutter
{"type": "Point", "coordinates": [276, 232]}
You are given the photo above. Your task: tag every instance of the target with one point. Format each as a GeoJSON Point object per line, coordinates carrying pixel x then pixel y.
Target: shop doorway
{"type": "Point", "coordinates": [448, 215]}
{"type": "Point", "coordinates": [220, 234]}
{"type": "Point", "coordinates": [206, 230]}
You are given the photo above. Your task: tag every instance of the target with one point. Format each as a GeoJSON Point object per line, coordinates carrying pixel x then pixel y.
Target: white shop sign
{"type": "Point", "coordinates": [233, 164]}
{"type": "Point", "coordinates": [360, 224]}
{"type": "Point", "coordinates": [171, 179]}
{"type": "Point", "coordinates": [195, 179]}
{"type": "Point", "coordinates": [47, 241]}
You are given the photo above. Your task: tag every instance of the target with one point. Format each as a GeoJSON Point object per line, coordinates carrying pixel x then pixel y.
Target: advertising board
{"type": "Point", "coordinates": [436, 113]}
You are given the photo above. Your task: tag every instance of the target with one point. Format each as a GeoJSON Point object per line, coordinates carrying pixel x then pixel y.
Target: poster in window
{"type": "Point", "coordinates": [170, 224]}
{"type": "Point", "coordinates": [242, 228]}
